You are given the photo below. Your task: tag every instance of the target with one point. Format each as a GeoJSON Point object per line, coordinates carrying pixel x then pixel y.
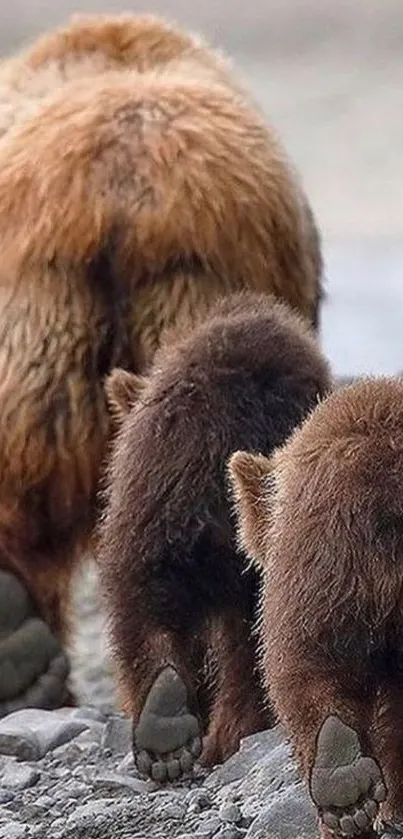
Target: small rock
{"type": "Point", "coordinates": [197, 801]}
{"type": "Point", "coordinates": [31, 733]}
{"type": "Point", "coordinates": [45, 801]}
{"type": "Point", "coordinates": [290, 815]}
{"type": "Point", "coordinates": [253, 749]}
{"type": "Point", "coordinates": [209, 826]}
{"type": "Point", "coordinates": [230, 813]}
{"type": "Point", "coordinates": [173, 811]}
{"type": "Point", "coordinates": [117, 737]}
{"type": "Point", "coordinates": [63, 772]}
{"type": "Point", "coordinates": [57, 825]}
{"type": "Point", "coordinates": [76, 790]}
{"type": "Point", "coordinates": [126, 763]}
{"type": "Point", "coordinates": [5, 796]}
{"type": "Point", "coordinates": [116, 781]}
{"type": "Point", "coordinates": [89, 715]}
{"type": "Point", "coordinates": [16, 831]}
{"type": "Point", "coordinates": [17, 776]}
{"type": "Point", "coordinates": [229, 833]}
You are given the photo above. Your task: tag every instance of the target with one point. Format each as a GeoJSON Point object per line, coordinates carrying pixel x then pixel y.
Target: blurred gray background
{"type": "Point", "coordinates": [329, 75]}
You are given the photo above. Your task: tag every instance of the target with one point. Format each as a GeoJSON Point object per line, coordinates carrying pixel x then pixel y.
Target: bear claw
{"type": "Point", "coordinates": [346, 787]}
{"type": "Point", "coordinates": [166, 740]}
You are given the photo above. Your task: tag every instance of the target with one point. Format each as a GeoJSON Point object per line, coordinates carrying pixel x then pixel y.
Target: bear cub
{"type": "Point", "coordinates": [323, 517]}
{"type": "Point", "coordinates": [180, 596]}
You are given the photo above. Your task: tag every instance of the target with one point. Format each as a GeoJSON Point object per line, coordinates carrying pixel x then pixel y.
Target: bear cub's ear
{"type": "Point", "coordinates": [122, 390]}
{"type": "Point", "coordinates": [250, 478]}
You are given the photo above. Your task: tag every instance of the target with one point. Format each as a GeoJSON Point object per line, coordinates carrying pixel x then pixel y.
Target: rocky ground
{"type": "Point", "coordinates": [70, 775]}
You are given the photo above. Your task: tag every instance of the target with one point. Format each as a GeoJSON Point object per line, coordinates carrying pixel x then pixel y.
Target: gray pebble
{"type": "Point", "coordinates": [76, 790]}
{"type": "Point", "coordinates": [229, 833]}
{"type": "Point", "coordinates": [196, 834]}
{"type": "Point", "coordinates": [15, 831]}
{"type": "Point", "coordinates": [89, 715]}
{"type": "Point", "coordinates": [5, 796]}
{"type": "Point", "coordinates": [117, 736]}
{"type": "Point", "coordinates": [58, 825]}
{"type": "Point", "coordinates": [116, 781]}
{"type": "Point", "coordinates": [30, 734]}
{"type": "Point", "coordinates": [45, 801]}
{"type": "Point", "coordinates": [173, 811]}
{"type": "Point", "coordinates": [16, 776]}
{"type": "Point", "coordinates": [230, 813]}
{"type": "Point", "coordinates": [197, 801]}
{"type": "Point", "coordinates": [126, 763]}
{"type": "Point", "coordinates": [63, 772]}
{"type": "Point", "coordinates": [209, 826]}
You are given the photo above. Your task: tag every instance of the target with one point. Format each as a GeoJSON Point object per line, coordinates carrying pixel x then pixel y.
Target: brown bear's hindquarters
{"type": "Point", "coordinates": [239, 708]}
{"type": "Point", "coordinates": [388, 746]}
{"type": "Point", "coordinates": [328, 722]}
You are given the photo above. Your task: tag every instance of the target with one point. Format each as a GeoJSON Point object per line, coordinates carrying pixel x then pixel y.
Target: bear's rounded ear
{"type": "Point", "coordinates": [122, 390]}
{"type": "Point", "coordinates": [251, 481]}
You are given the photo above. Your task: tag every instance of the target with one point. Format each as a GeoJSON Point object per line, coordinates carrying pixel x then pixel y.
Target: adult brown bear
{"type": "Point", "coordinates": [174, 583]}
{"type": "Point", "coordinates": [131, 198]}
{"type": "Point", "coordinates": [324, 519]}
{"type": "Point", "coordinates": [92, 45]}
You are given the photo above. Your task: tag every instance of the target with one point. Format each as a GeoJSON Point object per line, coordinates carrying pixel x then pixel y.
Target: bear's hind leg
{"type": "Point", "coordinates": [388, 745]}
{"type": "Point", "coordinates": [329, 726]}
{"type": "Point", "coordinates": [239, 707]}
{"type": "Point", "coordinates": [159, 690]}
{"type": "Point", "coordinates": [346, 783]}
{"type": "Point", "coordinates": [157, 628]}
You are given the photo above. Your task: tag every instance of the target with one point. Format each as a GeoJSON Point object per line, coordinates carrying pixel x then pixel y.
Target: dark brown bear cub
{"type": "Point", "coordinates": [329, 535]}
{"type": "Point", "coordinates": [176, 588]}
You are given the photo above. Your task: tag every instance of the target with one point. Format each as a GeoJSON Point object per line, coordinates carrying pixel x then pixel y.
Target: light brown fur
{"type": "Point", "coordinates": [128, 203]}
{"type": "Point", "coordinates": [329, 537]}
{"type": "Point", "coordinates": [92, 45]}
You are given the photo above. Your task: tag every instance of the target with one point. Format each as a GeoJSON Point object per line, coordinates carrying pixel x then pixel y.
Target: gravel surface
{"type": "Point", "coordinates": [79, 782]}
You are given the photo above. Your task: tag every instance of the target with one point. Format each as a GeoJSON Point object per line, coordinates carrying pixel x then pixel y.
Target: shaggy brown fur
{"type": "Point", "coordinates": [246, 376]}
{"type": "Point", "coordinates": [127, 204]}
{"type": "Point", "coordinates": [93, 45]}
{"type": "Point", "coordinates": [328, 530]}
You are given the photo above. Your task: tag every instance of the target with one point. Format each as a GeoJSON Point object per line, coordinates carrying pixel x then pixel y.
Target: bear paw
{"type": "Point", "coordinates": [166, 740]}
{"type": "Point", "coordinates": [346, 787]}
{"type": "Point", "coordinates": [33, 667]}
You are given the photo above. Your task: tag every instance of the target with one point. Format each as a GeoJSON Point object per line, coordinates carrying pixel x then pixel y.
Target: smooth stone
{"type": "Point", "coordinates": [117, 736]}
{"type": "Point", "coordinates": [31, 733]}
{"type": "Point", "coordinates": [17, 776]}
{"type": "Point", "coordinates": [230, 813]}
